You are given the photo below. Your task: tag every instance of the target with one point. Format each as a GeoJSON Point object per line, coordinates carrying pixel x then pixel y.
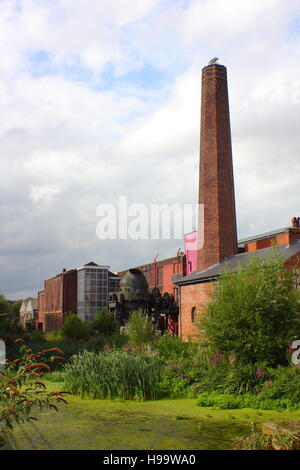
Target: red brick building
{"type": "Point", "coordinates": [79, 291]}
{"type": "Point", "coordinates": [216, 193]}
{"type": "Point", "coordinates": [59, 296]}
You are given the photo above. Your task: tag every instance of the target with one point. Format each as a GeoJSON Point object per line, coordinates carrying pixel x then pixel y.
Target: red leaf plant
{"type": "Point", "coordinates": [20, 392]}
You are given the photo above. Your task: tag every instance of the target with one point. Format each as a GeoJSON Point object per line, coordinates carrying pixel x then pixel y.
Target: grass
{"type": "Point", "coordinates": [177, 424]}
{"type": "Point", "coordinates": [114, 374]}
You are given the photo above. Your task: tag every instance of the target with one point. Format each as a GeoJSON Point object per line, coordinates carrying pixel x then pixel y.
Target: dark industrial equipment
{"type": "Point", "coordinates": [134, 295]}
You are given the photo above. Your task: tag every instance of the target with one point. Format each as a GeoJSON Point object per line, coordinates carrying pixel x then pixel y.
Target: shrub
{"type": "Point", "coordinates": [244, 378]}
{"type": "Point", "coordinates": [74, 328]}
{"type": "Point", "coordinates": [254, 312]}
{"type": "Point", "coordinates": [114, 374]}
{"type": "Point", "coordinates": [53, 336]}
{"type": "Point", "coordinates": [173, 348]}
{"type": "Point", "coordinates": [9, 331]}
{"type": "Point", "coordinates": [211, 379]}
{"type": "Point", "coordinates": [35, 336]}
{"type": "Point", "coordinates": [276, 440]}
{"type": "Point", "coordinates": [284, 382]}
{"type": "Point", "coordinates": [173, 382]}
{"type": "Point", "coordinates": [139, 328]}
{"type": "Point", "coordinates": [226, 401]}
{"type": "Point", "coordinates": [21, 388]}
{"type": "Point", "coordinates": [105, 323]}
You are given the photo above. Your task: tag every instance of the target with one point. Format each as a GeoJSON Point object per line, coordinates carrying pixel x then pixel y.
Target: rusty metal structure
{"type": "Point", "coordinates": [134, 294]}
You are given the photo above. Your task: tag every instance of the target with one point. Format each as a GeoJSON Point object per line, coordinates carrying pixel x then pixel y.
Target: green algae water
{"type": "Point", "coordinates": [177, 424]}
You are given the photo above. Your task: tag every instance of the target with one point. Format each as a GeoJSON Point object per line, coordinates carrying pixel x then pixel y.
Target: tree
{"type": "Point", "coordinates": [16, 307]}
{"type": "Point", "coordinates": [139, 328]}
{"type": "Point", "coordinates": [105, 323]}
{"type": "Point", "coordinates": [5, 305]}
{"type": "Point", "coordinates": [74, 328]}
{"type": "Point", "coordinates": [254, 312]}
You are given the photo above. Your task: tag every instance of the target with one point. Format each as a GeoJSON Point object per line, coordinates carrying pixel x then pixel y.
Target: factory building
{"type": "Point", "coordinates": [216, 194]}
{"type": "Point", "coordinates": [159, 273]}
{"type": "Point", "coordinates": [83, 291]}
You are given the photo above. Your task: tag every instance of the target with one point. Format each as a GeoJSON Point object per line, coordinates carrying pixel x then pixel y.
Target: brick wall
{"type": "Point", "coordinates": [288, 236]}
{"type": "Point", "coordinates": [70, 291]}
{"type": "Point", "coordinates": [192, 296]}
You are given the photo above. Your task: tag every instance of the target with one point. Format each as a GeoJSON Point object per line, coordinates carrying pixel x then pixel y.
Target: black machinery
{"type": "Point", "coordinates": [134, 295]}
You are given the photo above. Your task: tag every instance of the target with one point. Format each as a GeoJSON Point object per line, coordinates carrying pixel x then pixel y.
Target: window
{"type": "Point", "coordinates": [193, 314]}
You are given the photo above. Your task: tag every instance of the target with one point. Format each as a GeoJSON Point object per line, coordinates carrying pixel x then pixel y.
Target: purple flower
{"type": "Point", "coordinates": [106, 347]}
{"type": "Point", "coordinates": [127, 347]}
{"type": "Point", "coordinates": [218, 356]}
{"type": "Point", "coordinates": [260, 372]}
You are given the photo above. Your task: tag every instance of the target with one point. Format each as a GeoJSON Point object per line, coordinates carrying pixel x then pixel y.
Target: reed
{"type": "Point", "coordinates": [114, 375]}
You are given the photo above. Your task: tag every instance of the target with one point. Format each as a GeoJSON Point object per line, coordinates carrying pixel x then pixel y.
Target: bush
{"type": "Point", "coordinates": [173, 348]}
{"type": "Point", "coordinates": [35, 336]}
{"type": "Point", "coordinates": [74, 328]}
{"type": "Point", "coordinates": [254, 312]}
{"type": "Point", "coordinates": [53, 336]}
{"type": "Point", "coordinates": [226, 401]}
{"type": "Point", "coordinates": [9, 330]}
{"type": "Point", "coordinates": [284, 382]}
{"type": "Point", "coordinates": [105, 323]}
{"type": "Point", "coordinates": [244, 378]}
{"type": "Point", "coordinates": [114, 374]}
{"type": "Point", "coordinates": [276, 440]}
{"type": "Point", "coordinates": [139, 328]}
{"type": "Point", "coordinates": [174, 383]}
{"type": "Point", "coordinates": [21, 389]}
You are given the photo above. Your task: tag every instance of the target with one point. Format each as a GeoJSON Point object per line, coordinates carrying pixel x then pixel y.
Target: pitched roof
{"type": "Point", "coordinates": [233, 262]}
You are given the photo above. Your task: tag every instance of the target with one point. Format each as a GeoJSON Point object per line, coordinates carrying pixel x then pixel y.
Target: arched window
{"type": "Point", "coordinates": [193, 314]}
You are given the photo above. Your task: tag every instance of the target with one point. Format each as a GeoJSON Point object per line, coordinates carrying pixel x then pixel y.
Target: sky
{"type": "Point", "coordinates": [100, 99]}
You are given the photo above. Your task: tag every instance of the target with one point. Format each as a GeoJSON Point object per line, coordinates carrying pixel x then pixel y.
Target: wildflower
{"type": "Point", "coordinates": [62, 399]}
{"type": "Point", "coordinates": [218, 356]}
{"type": "Point", "coordinates": [53, 406]}
{"type": "Point", "coordinates": [11, 411]}
{"type": "Point", "coordinates": [260, 372]}
{"type": "Point", "coordinates": [39, 365]}
{"type": "Point", "coordinates": [40, 384]}
{"type": "Point", "coordinates": [53, 350]}
{"type": "Point", "coordinates": [19, 340]}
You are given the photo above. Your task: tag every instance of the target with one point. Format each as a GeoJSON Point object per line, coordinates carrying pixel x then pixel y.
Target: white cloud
{"type": "Point", "coordinates": [69, 143]}
{"type": "Point", "coordinates": [43, 193]}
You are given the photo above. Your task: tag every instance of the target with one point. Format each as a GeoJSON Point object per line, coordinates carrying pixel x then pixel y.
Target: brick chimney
{"type": "Point", "coordinates": [216, 185]}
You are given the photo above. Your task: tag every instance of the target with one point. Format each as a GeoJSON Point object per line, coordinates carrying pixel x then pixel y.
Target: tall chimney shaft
{"type": "Point", "coordinates": [216, 184]}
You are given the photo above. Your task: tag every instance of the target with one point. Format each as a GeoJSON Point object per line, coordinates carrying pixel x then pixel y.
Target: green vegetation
{"type": "Point", "coordinates": [139, 329]}
{"type": "Point", "coordinates": [74, 328]}
{"type": "Point", "coordinates": [275, 440]}
{"type": "Point", "coordinates": [21, 388]}
{"type": "Point", "coordinates": [114, 374]}
{"type": "Point", "coordinates": [178, 424]}
{"type": "Point", "coordinates": [254, 312]}
{"type": "Point", "coordinates": [247, 400]}
{"type": "Point", "coordinates": [105, 324]}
